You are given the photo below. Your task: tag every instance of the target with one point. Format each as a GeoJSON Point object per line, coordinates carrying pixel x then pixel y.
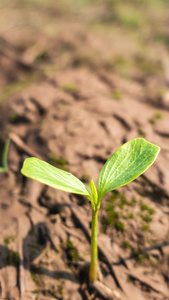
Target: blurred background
{"type": "Point", "coordinates": [129, 38]}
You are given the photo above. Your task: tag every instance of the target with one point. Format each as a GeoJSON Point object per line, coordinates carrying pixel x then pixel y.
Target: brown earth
{"type": "Point", "coordinates": [76, 82]}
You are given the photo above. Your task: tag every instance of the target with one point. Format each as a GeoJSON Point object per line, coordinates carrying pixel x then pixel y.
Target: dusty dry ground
{"type": "Point", "coordinates": [78, 79]}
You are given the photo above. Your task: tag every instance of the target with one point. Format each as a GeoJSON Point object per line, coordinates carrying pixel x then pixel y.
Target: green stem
{"type": "Point", "coordinates": [93, 272]}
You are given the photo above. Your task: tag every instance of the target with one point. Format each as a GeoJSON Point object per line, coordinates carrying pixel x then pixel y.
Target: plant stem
{"type": "Point", "coordinates": [93, 272]}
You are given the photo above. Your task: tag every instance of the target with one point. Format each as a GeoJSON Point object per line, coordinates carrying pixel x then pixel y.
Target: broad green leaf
{"type": "Point", "coordinates": [54, 177]}
{"type": "Point", "coordinates": [127, 163]}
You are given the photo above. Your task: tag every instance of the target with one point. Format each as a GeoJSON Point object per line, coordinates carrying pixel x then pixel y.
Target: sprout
{"type": "Point", "coordinates": [126, 164]}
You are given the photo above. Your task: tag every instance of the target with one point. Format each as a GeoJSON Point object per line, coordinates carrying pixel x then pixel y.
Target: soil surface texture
{"type": "Point", "coordinates": [77, 80]}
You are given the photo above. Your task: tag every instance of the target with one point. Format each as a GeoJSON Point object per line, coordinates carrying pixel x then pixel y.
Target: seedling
{"type": "Point", "coordinates": [127, 163]}
{"type": "Point", "coordinates": [4, 167]}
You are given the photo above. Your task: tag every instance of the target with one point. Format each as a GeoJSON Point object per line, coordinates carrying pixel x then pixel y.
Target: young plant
{"type": "Point", "coordinates": [4, 167]}
{"type": "Point", "coordinates": [127, 163]}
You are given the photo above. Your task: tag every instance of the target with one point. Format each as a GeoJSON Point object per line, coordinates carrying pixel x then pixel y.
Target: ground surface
{"type": "Point", "coordinates": [78, 79]}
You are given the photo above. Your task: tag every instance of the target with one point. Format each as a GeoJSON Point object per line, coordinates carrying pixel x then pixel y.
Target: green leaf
{"type": "Point", "coordinates": [94, 191]}
{"type": "Point", "coordinates": [127, 163]}
{"type": "Point", "coordinates": [54, 177]}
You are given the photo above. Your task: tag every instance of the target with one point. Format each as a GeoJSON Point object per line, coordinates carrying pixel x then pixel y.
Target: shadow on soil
{"type": "Point", "coordinates": [33, 245]}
